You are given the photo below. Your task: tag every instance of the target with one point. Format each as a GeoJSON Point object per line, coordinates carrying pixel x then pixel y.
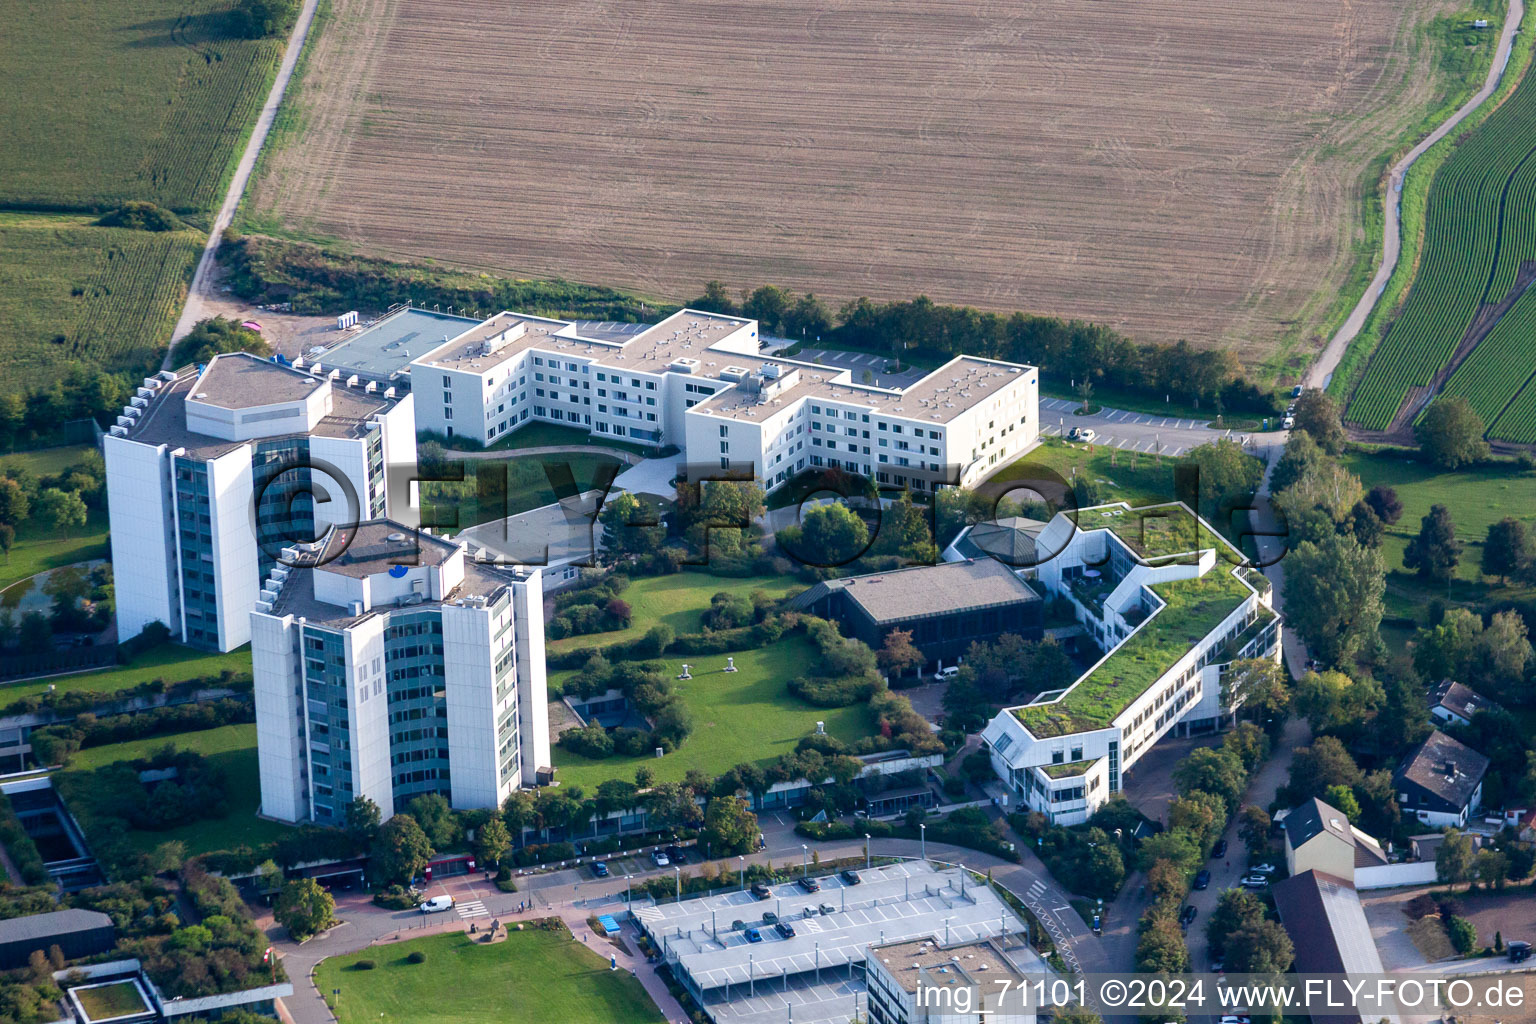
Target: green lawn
{"type": "Point", "coordinates": [538, 434]}
{"type": "Point", "coordinates": [1476, 497]}
{"type": "Point", "coordinates": [533, 977]}
{"type": "Point", "coordinates": [1140, 479]}
{"type": "Point", "coordinates": [170, 662]}
{"type": "Point", "coordinates": [745, 716]}
{"type": "Point", "coordinates": [678, 600]}
{"type": "Point", "coordinates": [527, 482]}
{"type": "Point", "coordinates": [39, 547]}
{"type": "Point", "coordinates": [103, 1002]}
{"type": "Point", "coordinates": [232, 748]}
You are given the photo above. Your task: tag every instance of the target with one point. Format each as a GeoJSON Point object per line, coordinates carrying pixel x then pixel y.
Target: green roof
{"type": "Point", "coordinates": [1154, 531]}
{"type": "Point", "coordinates": [1194, 608]}
{"type": "Point", "coordinates": [1068, 770]}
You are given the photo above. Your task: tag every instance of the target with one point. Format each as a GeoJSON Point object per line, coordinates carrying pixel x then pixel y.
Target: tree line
{"type": "Point", "coordinates": [1066, 351]}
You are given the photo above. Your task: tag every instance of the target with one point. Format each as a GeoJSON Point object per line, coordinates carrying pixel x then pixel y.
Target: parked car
{"type": "Point", "coordinates": [1296, 391]}
{"type": "Point", "coordinates": [785, 929]}
{"type": "Point", "coordinates": [1288, 422]}
{"type": "Point", "coordinates": [849, 876]}
{"type": "Point", "coordinates": [827, 908]}
{"type": "Point", "coordinates": [1188, 915]}
{"type": "Point", "coordinates": [1254, 881]}
{"type": "Point", "coordinates": [808, 884]}
{"type": "Point", "coordinates": [1218, 966]}
{"type": "Point", "coordinates": [436, 904]}
{"type": "Point", "coordinates": [1262, 869]}
{"type": "Point", "coordinates": [1203, 879]}
{"type": "Point", "coordinates": [677, 855]}
{"type": "Point", "coordinates": [660, 857]}
{"type": "Point", "coordinates": [753, 935]}
{"type": "Point", "coordinates": [1232, 1018]}
{"type": "Point", "coordinates": [599, 869]}
{"type": "Point", "coordinates": [1219, 850]}
{"type": "Point", "coordinates": [1082, 434]}
{"type": "Point", "coordinates": [1519, 951]}
{"type": "Point", "coordinates": [948, 672]}
{"type": "Point", "coordinates": [761, 890]}
{"type": "Point", "coordinates": [769, 917]}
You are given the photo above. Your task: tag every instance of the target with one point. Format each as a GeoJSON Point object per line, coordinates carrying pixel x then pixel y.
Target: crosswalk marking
{"type": "Point", "coordinates": [472, 908]}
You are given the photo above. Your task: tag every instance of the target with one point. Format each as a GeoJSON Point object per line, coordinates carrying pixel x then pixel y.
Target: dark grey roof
{"type": "Point", "coordinates": [1459, 699]}
{"type": "Point", "coordinates": [1012, 541]}
{"type": "Point", "coordinates": [51, 925]}
{"type": "Point", "coordinates": [1327, 925]}
{"type": "Point", "coordinates": [928, 590]}
{"type": "Point", "coordinates": [373, 547]}
{"type": "Point", "coordinates": [1445, 767]}
{"type": "Point", "coordinates": [1314, 817]}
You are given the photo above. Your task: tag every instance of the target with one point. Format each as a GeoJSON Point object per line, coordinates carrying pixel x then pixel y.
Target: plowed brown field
{"type": "Point", "coordinates": [1173, 168]}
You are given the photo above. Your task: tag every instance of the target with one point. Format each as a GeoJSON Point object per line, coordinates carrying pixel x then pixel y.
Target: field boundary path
{"type": "Point", "coordinates": [1321, 371]}
{"type": "Point", "coordinates": [191, 313]}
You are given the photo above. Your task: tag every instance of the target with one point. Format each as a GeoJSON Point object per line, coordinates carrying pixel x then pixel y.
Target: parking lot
{"type": "Point", "coordinates": [1131, 431]}
{"type": "Point", "coordinates": [724, 947]}
{"type": "Point", "coordinates": [862, 363]}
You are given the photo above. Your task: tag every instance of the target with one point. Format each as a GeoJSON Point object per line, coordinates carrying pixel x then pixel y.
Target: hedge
{"type": "Point", "coordinates": [19, 845]}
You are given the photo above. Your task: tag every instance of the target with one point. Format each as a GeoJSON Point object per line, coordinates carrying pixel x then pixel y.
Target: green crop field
{"type": "Point", "coordinates": [108, 101]}
{"type": "Point", "coordinates": [1480, 227]}
{"type": "Point", "coordinates": [74, 292]}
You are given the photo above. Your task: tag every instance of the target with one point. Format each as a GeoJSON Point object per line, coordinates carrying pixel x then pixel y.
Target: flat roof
{"type": "Point", "coordinates": [958, 385]}
{"type": "Point", "coordinates": [686, 333]}
{"type": "Point", "coordinates": [387, 346]}
{"type": "Point", "coordinates": [894, 903]}
{"type": "Point", "coordinates": [374, 547]}
{"type": "Point", "coordinates": [239, 380]}
{"type": "Point", "coordinates": [164, 419]}
{"type": "Point", "coordinates": [1191, 609]}
{"type": "Point", "coordinates": [53, 923]}
{"type": "Point", "coordinates": [929, 590]}
{"type": "Point", "coordinates": [931, 963]}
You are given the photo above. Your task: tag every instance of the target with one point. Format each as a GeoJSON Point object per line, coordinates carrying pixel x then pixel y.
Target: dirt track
{"type": "Point", "coordinates": [1171, 169]}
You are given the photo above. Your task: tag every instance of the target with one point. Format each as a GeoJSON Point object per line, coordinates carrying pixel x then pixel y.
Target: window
{"type": "Point", "coordinates": [447, 381]}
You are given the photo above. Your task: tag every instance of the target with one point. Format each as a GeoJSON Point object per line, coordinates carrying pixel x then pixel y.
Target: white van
{"type": "Point", "coordinates": [947, 673]}
{"type": "Point", "coordinates": [436, 904]}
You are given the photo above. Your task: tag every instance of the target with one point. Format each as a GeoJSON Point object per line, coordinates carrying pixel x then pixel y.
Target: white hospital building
{"type": "Point", "coordinates": [698, 381]}
{"type": "Point", "coordinates": [389, 663]}
{"type": "Point", "coordinates": [212, 470]}
{"type": "Point", "coordinates": [1166, 598]}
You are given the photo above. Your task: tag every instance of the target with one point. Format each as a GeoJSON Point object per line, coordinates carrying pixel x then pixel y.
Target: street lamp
{"type": "Point", "coordinates": [922, 834]}
{"type": "Point", "coordinates": [678, 872]}
{"type": "Point", "coordinates": [866, 851]}
{"type": "Point", "coordinates": [805, 859]}
{"type": "Point", "coordinates": [742, 859]}
{"type": "Point", "coordinates": [626, 889]}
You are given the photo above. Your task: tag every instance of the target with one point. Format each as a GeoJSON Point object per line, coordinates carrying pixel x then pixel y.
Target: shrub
{"type": "Point", "coordinates": [142, 216]}
{"type": "Point", "coordinates": [416, 957]}
{"type": "Point", "coordinates": [1463, 934]}
{"type": "Point", "coordinates": [835, 691]}
{"type": "Point", "coordinates": [364, 965]}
